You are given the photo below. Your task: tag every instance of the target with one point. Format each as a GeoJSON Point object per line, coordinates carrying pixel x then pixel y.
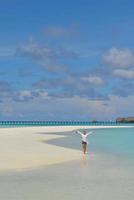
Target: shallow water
{"type": "Point", "coordinates": [115, 141]}
{"type": "Point", "coordinates": [105, 173]}
{"type": "Point", "coordinates": [105, 179]}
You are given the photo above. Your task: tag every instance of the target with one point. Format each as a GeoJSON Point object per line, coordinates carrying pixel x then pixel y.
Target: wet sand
{"type": "Point", "coordinates": [28, 148]}
{"type": "Point", "coordinates": [33, 168]}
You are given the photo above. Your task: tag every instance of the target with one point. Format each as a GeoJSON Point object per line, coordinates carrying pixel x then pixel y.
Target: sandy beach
{"type": "Point", "coordinates": [46, 163]}
{"type": "Point", "coordinates": [26, 148]}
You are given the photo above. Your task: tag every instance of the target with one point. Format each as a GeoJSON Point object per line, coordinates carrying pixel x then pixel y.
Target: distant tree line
{"type": "Point", "coordinates": [125, 119]}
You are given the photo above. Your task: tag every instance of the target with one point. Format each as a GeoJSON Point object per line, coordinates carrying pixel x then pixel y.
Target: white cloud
{"type": "Point", "coordinates": [26, 96]}
{"type": "Point", "coordinates": [48, 57]}
{"type": "Point", "coordinates": [35, 51]}
{"type": "Point", "coordinates": [78, 108]}
{"type": "Point", "coordinates": [95, 80]}
{"type": "Point", "coordinates": [34, 94]}
{"type": "Point", "coordinates": [122, 58]}
{"type": "Point", "coordinates": [42, 94]}
{"type": "Point", "coordinates": [25, 93]}
{"type": "Point", "coordinates": [123, 105]}
{"type": "Point", "coordinates": [128, 74]}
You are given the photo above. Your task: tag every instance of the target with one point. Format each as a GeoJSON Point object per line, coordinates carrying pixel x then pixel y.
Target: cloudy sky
{"type": "Point", "coordinates": [66, 60]}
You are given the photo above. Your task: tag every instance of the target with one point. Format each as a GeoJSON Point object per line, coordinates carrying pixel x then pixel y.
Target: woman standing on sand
{"type": "Point", "coordinates": [84, 140]}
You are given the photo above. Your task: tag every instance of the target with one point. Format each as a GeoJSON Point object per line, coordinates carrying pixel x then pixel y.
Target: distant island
{"type": "Point", "coordinates": [125, 119]}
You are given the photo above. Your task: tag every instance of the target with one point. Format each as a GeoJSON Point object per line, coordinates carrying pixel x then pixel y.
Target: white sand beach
{"type": "Point", "coordinates": [32, 166]}
{"type": "Point", "coordinates": [25, 148]}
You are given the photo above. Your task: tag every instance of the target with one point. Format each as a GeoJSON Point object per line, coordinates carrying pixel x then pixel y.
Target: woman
{"type": "Point", "coordinates": [84, 140]}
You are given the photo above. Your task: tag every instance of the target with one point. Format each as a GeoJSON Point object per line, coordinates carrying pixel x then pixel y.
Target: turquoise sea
{"type": "Point", "coordinates": [60, 123]}
{"type": "Point", "coordinates": [113, 141]}
{"type": "Point", "coordinates": [105, 173]}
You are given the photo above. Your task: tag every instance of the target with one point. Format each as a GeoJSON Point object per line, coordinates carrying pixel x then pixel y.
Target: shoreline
{"type": "Point", "coordinates": [65, 128]}
{"type": "Point", "coordinates": [26, 148]}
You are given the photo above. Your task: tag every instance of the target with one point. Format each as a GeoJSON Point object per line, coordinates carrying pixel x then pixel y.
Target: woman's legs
{"type": "Point", "coordinates": [84, 148]}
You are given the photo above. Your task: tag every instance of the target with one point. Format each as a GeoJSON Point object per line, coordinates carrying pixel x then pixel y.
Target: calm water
{"type": "Point", "coordinates": [114, 141]}
{"type": "Point", "coordinates": [119, 142]}
{"type": "Point", "coordinates": [59, 123]}
{"type": "Point", "coordinates": [105, 173]}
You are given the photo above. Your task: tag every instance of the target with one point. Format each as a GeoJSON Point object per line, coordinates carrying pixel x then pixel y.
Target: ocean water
{"type": "Point", "coordinates": [118, 142]}
{"type": "Point", "coordinates": [60, 123]}
{"type": "Point", "coordinates": [105, 173]}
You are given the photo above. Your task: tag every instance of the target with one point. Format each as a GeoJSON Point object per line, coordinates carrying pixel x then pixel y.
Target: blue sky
{"type": "Point", "coordinates": [66, 60]}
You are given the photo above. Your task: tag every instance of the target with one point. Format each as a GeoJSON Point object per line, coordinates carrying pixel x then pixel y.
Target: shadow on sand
{"type": "Point", "coordinates": [71, 140]}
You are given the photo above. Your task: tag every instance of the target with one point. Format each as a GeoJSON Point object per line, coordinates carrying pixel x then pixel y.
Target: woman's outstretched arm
{"type": "Point", "coordinates": [78, 132]}
{"type": "Point", "coordinates": [89, 133]}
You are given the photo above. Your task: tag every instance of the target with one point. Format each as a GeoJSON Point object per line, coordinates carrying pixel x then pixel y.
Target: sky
{"type": "Point", "coordinates": [66, 60]}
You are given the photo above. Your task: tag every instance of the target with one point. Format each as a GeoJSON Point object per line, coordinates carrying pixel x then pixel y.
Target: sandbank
{"type": "Point", "coordinates": [26, 148]}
